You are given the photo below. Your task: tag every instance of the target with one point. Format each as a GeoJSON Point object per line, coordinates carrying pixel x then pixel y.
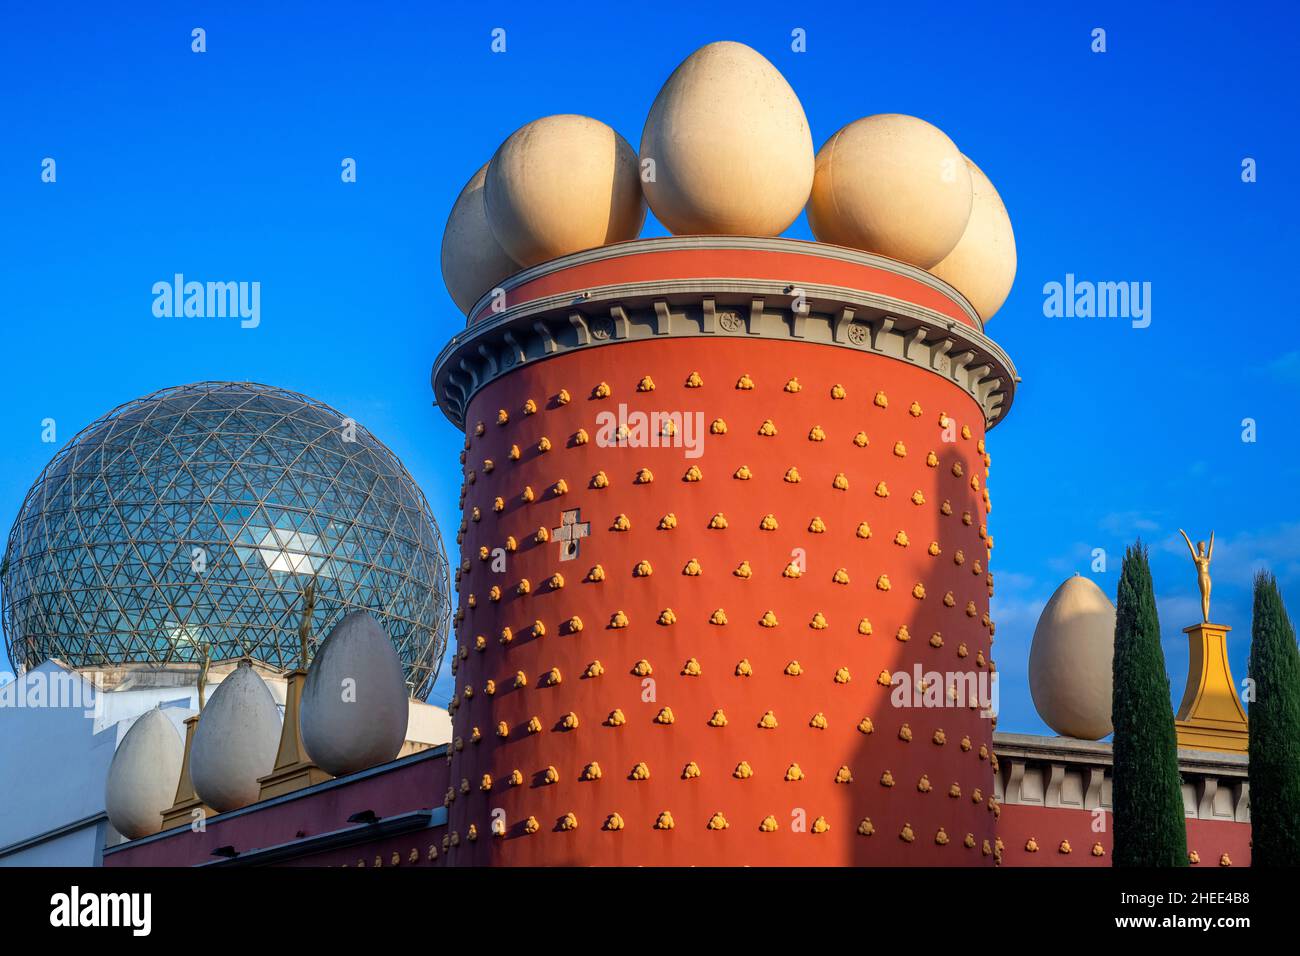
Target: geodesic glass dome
{"type": "Point", "coordinates": [195, 516]}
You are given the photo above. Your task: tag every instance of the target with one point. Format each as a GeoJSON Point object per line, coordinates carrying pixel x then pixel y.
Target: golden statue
{"type": "Point", "coordinates": [1201, 558]}
{"type": "Point", "coordinates": [203, 674]}
{"type": "Point", "coordinates": [304, 626]}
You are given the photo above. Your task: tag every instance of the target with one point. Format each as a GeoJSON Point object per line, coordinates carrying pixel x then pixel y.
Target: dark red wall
{"type": "Point", "coordinates": [1047, 827]}
{"type": "Point", "coordinates": [412, 783]}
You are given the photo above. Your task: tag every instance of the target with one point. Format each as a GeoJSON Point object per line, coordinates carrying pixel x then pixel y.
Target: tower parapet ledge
{"type": "Point", "coordinates": [717, 288]}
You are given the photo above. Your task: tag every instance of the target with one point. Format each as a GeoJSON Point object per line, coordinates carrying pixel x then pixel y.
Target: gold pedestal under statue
{"type": "Point", "coordinates": [182, 811]}
{"type": "Point", "coordinates": [1211, 716]}
{"type": "Point", "coordinates": [293, 768]}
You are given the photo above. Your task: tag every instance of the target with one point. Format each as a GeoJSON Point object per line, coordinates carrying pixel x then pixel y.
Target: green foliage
{"type": "Point", "coordinates": [1150, 827]}
{"type": "Point", "coordinates": [1274, 731]}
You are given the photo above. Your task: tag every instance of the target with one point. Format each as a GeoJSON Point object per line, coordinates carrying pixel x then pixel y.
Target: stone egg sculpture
{"type": "Point", "coordinates": [1070, 660]}
{"type": "Point", "coordinates": [472, 260]}
{"type": "Point", "coordinates": [726, 148]}
{"type": "Point", "coordinates": [143, 775]}
{"type": "Point", "coordinates": [562, 184]}
{"type": "Point", "coordinates": [893, 185]}
{"type": "Point", "coordinates": [982, 266]}
{"type": "Point", "coordinates": [354, 703]}
{"type": "Point", "coordinates": [235, 742]}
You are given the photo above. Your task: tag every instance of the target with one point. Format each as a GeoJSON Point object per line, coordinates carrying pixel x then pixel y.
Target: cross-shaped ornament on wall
{"type": "Point", "coordinates": [570, 532]}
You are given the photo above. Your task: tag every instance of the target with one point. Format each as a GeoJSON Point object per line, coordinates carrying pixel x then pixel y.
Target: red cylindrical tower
{"type": "Point", "coordinates": [723, 581]}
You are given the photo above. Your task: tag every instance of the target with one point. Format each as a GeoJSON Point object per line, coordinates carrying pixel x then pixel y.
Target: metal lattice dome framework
{"type": "Point", "coordinates": [194, 517]}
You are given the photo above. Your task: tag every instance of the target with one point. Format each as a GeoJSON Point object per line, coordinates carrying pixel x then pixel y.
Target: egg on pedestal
{"type": "Point", "coordinates": [354, 702]}
{"type": "Point", "coordinates": [894, 185]}
{"type": "Point", "coordinates": [1070, 660]}
{"type": "Point", "coordinates": [982, 266]}
{"type": "Point", "coordinates": [142, 777]}
{"type": "Point", "coordinates": [235, 742]}
{"type": "Point", "coordinates": [561, 184]}
{"type": "Point", "coordinates": [726, 148]}
{"type": "Point", "coordinates": [472, 260]}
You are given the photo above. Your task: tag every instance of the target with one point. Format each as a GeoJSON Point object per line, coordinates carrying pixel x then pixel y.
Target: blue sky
{"type": "Point", "coordinates": [1122, 166]}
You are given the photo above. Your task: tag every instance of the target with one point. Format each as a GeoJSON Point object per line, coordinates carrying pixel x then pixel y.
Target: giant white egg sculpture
{"type": "Point", "coordinates": [893, 185]}
{"type": "Point", "coordinates": [562, 184]}
{"type": "Point", "coordinates": [143, 775]}
{"type": "Point", "coordinates": [982, 266]}
{"type": "Point", "coordinates": [473, 262]}
{"type": "Point", "coordinates": [1070, 660]}
{"type": "Point", "coordinates": [726, 148]}
{"type": "Point", "coordinates": [354, 701]}
{"type": "Point", "coordinates": [235, 742]}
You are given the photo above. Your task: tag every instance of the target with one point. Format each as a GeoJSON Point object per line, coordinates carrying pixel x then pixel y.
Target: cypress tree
{"type": "Point", "coordinates": [1274, 731]}
{"type": "Point", "coordinates": [1150, 826]}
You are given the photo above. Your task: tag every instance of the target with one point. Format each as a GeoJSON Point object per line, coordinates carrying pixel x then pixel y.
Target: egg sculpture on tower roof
{"type": "Point", "coordinates": [726, 148]}
{"type": "Point", "coordinates": [727, 151]}
{"type": "Point", "coordinates": [472, 259]}
{"type": "Point", "coordinates": [562, 184]}
{"type": "Point", "coordinates": [1070, 660]}
{"type": "Point", "coordinates": [894, 185]}
{"type": "Point", "coordinates": [982, 266]}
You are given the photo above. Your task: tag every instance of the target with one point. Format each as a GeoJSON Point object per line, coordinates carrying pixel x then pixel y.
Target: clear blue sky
{"type": "Point", "coordinates": [1117, 166]}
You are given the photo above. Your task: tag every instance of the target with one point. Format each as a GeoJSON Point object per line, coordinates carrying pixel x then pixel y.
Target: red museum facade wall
{"type": "Point", "coordinates": [941, 778]}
